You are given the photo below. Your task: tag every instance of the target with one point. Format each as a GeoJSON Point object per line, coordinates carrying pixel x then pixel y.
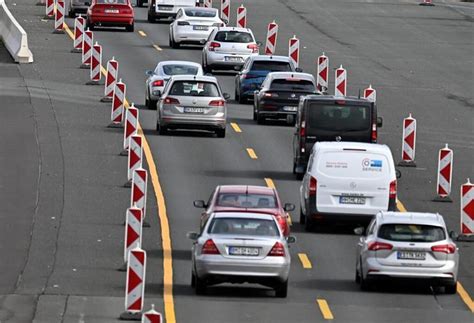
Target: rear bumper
{"type": "Point", "coordinates": [193, 122]}
{"type": "Point", "coordinates": [111, 21]}
{"type": "Point", "coordinates": [192, 37]}
{"type": "Point", "coordinates": [219, 60]}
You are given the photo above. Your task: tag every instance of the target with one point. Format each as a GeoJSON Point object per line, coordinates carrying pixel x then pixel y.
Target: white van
{"type": "Point", "coordinates": [347, 181]}
{"type": "Point", "coordinates": [166, 9]}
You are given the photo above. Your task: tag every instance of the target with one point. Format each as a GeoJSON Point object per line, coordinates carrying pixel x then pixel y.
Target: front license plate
{"type": "Point", "coordinates": [193, 110]}
{"type": "Point", "coordinates": [351, 200]}
{"type": "Point", "coordinates": [411, 255]}
{"type": "Point", "coordinates": [233, 59]}
{"type": "Point", "coordinates": [200, 27]}
{"type": "Point", "coordinates": [289, 108]}
{"type": "Point", "coordinates": [111, 11]}
{"type": "Point", "coordinates": [243, 251]}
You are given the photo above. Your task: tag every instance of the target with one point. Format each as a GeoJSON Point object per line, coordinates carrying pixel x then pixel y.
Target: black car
{"type": "Point", "coordinates": [279, 95]}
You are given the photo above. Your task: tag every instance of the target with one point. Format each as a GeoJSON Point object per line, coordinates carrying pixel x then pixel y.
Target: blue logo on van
{"type": "Point", "coordinates": [375, 163]}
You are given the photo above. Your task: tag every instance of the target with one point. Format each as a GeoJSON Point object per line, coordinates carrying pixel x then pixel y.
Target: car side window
{"type": "Point", "coordinates": [210, 198]}
{"type": "Point", "coordinates": [211, 35]}
{"type": "Point", "coordinates": [371, 228]}
{"type": "Point", "coordinates": [179, 14]}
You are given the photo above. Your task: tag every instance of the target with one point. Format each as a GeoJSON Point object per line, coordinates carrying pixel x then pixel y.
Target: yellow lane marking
{"type": "Point", "coordinates": [290, 221]}
{"type": "Point", "coordinates": [235, 127]}
{"type": "Point", "coordinates": [400, 206]}
{"type": "Point", "coordinates": [252, 153]}
{"type": "Point", "coordinates": [142, 33]}
{"type": "Point", "coordinates": [68, 30]}
{"type": "Point", "coordinates": [324, 308]}
{"type": "Point", "coordinates": [269, 182]}
{"type": "Point", "coordinates": [158, 48]}
{"type": "Point", "coordinates": [465, 297]}
{"type": "Point", "coordinates": [168, 298]}
{"type": "Point", "coordinates": [305, 262]}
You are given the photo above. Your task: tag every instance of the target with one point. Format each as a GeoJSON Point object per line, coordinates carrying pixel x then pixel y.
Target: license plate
{"type": "Point", "coordinates": [351, 200]}
{"type": "Point", "coordinates": [233, 59]}
{"type": "Point", "coordinates": [165, 8]}
{"type": "Point", "coordinates": [243, 251]}
{"type": "Point", "coordinates": [200, 27]}
{"type": "Point", "coordinates": [111, 11]}
{"type": "Point", "coordinates": [193, 110]}
{"type": "Point", "coordinates": [413, 255]}
{"type": "Point", "coordinates": [289, 108]}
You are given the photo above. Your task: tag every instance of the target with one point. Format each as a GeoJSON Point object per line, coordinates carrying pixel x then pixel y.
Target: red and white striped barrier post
{"type": "Point", "coordinates": [272, 34]}
{"type": "Point", "coordinates": [208, 3]}
{"type": "Point", "coordinates": [139, 188]}
{"type": "Point", "coordinates": [322, 73]}
{"type": "Point", "coordinates": [130, 128]}
{"type": "Point", "coordinates": [79, 23]}
{"type": "Point", "coordinates": [408, 142]}
{"type": "Point", "coordinates": [294, 50]}
{"type": "Point", "coordinates": [467, 211]}
{"type": "Point", "coordinates": [118, 102]}
{"type": "Point", "coordinates": [445, 175]}
{"type": "Point", "coordinates": [135, 157]}
{"type": "Point", "coordinates": [59, 18]}
{"type": "Point", "coordinates": [96, 64]}
{"type": "Point", "coordinates": [370, 94]}
{"type": "Point", "coordinates": [49, 9]}
{"type": "Point", "coordinates": [152, 316]}
{"type": "Point", "coordinates": [242, 17]}
{"type": "Point", "coordinates": [135, 285]}
{"type": "Point", "coordinates": [225, 11]}
{"type": "Point", "coordinates": [87, 48]}
{"type": "Point", "coordinates": [133, 233]}
{"type": "Point", "coordinates": [340, 86]}
{"type": "Point", "coordinates": [428, 3]}
{"type": "Point", "coordinates": [110, 80]}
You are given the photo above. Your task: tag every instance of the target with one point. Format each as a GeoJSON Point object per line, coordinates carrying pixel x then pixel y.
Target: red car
{"type": "Point", "coordinates": [250, 198]}
{"type": "Point", "coordinates": [116, 13]}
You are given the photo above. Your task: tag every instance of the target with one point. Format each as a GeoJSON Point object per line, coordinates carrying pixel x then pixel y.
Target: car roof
{"type": "Point", "coordinates": [349, 145]}
{"type": "Point", "coordinates": [250, 189]}
{"type": "Point", "coordinates": [244, 215]}
{"type": "Point", "coordinates": [162, 63]}
{"type": "Point", "coordinates": [203, 78]}
{"type": "Point", "coordinates": [270, 58]}
{"type": "Point", "coordinates": [199, 9]}
{"type": "Point", "coordinates": [229, 28]}
{"type": "Point", "coordinates": [332, 98]}
{"type": "Point", "coordinates": [434, 219]}
{"type": "Point", "coordinates": [286, 75]}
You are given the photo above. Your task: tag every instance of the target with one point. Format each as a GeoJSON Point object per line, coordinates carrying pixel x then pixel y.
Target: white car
{"type": "Point", "coordinates": [193, 26]}
{"type": "Point", "coordinates": [157, 79]}
{"type": "Point", "coordinates": [347, 181]}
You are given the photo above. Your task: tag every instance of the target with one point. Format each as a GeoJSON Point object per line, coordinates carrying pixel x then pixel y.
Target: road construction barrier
{"type": "Point", "coordinates": [79, 23]}
{"type": "Point", "coordinates": [428, 3]}
{"type": "Point", "coordinates": [139, 188]}
{"type": "Point", "coordinates": [408, 142]}
{"type": "Point", "coordinates": [135, 156]}
{"type": "Point", "coordinates": [445, 173]}
{"type": "Point", "coordinates": [118, 102]}
{"type": "Point", "coordinates": [340, 85]}
{"type": "Point", "coordinates": [130, 128]}
{"type": "Point", "coordinates": [225, 11]}
{"type": "Point", "coordinates": [208, 3]}
{"type": "Point", "coordinates": [110, 80]}
{"type": "Point", "coordinates": [49, 9]}
{"type": "Point", "coordinates": [59, 17]}
{"type": "Point", "coordinates": [467, 209]}
{"type": "Point", "coordinates": [294, 50]}
{"type": "Point", "coordinates": [152, 316]}
{"type": "Point", "coordinates": [242, 17]}
{"type": "Point", "coordinates": [370, 94]}
{"type": "Point", "coordinates": [96, 64]}
{"type": "Point", "coordinates": [87, 42]}
{"type": "Point", "coordinates": [135, 285]}
{"type": "Point", "coordinates": [133, 230]}
{"type": "Point", "coordinates": [14, 36]}
{"type": "Point", "coordinates": [322, 73]}
{"type": "Point", "coordinates": [272, 34]}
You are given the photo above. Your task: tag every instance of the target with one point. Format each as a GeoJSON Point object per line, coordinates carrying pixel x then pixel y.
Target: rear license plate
{"type": "Point", "coordinates": [351, 200]}
{"type": "Point", "coordinates": [111, 11]}
{"type": "Point", "coordinates": [289, 108]}
{"type": "Point", "coordinates": [193, 110]}
{"type": "Point", "coordinates": [233, 59]}
{"type": "Point", "coordinates": [413, 255]}
{"type": "Point", "coordinates": [243, 251]}
{"type": "Point", "coordinates": [200, 27]}
{"type": "Point", "coordinates": [165, 8]}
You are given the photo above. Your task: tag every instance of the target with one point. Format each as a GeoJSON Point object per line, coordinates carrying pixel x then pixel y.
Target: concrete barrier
{"type": "Point", "coordinates": [14, 36]}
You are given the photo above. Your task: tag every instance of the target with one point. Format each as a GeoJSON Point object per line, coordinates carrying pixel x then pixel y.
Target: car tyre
{"type": "Point", "coordinates": [173, 44]}
{"type": "Point", "coordinates": [365, 284]}
{"type": "Point", "coordinates": [299, 176]}
{"type": "Point", "coordinates": [152, 104]}
{"type": "Point", "coordinates": [206, 69]}
{"type": "Point", "coordinates": [302, 217]}
{"type": "Point", "coordinates": [71, 14]}
{"type": "Point", "coordinates": [281, 291]}
{"type": "Point", "coordinates": [220, 133]}
{"type": "Point", "coordinates": [308, 224]}
{"type": "Point", "coordinates": [241, 99]}
{"type": "Point", "coordinates": [357, 276]}
{"type": "Point", "coordinates": [193, 280]}
{"type": "Point", "coordinates": [162, 130]}
{"type": "Point", "coordinates": [254, 115]}
{"type": "Point", "coordinates": [150, 18]}
{"type": "Point", "coordinates": [200, 286]}
{"type": "Point", "coordinates": [139, 3]}
{"type": "Point", "coordinates": [451, 288]}
{"type": "Point", "coordinates": [130, 28]}
{"type": "Point", "coordinates": [260, 119]}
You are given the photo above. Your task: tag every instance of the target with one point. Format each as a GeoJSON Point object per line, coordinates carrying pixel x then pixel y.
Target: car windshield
{"type": "Point", "coordinates": [175, 69]}
{"type": "Point", "coordinates": [246, 200]}
{"type": "Point", "coordinates": [112, 1]}
{"type": "Point", "coordinates": [194, 88]}
{"type": "Point", "coordinates": [232, 36]}
{"type": "Point", "coordinates": [335, 117]}
{"type": "Point", "coordinates": [272, 66]}
{"type": "Point", "coordinates": [200, 13]}
{"type": "Point", "coordinates": [411, 232]}
{"type": "Point", "coordinates": [242, 226]}
{"type": "Point", "coordinates": [292, 85]}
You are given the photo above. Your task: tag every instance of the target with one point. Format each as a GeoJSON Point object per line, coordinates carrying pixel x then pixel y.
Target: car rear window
{"type": "Point", "coordinates": [112, 1]}
{"type": "Point", "coordinates": [339, 118]}
{"type": "Point", "coordinates": [241, 226]}
{"type": "Point", "coordinates": [172, 69]}
{"type": "Point", "coordinates": [194, 88]}
{"type": "Point", "coordinates": [200, 13]}
{"type": "Point", "coordinates": [232, 36]}
{"type": "Point", "coordinates": [292, 85]}
{"type": "Point", "coordinates": [272, 66]}
{"type": "Point", "coordinates": [411, 232]}
{"type": "Point", "coordinates": [246, 200]}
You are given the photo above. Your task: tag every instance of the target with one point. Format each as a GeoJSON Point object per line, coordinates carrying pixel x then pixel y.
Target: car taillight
{"type": "Point", "coordinates": [303, 129]}
{"type": "Point", "coordinates": [270, 95]}
{"type": "Point", "coordinates": [278, 250]}
{"type": "Point", "coordinates": [376, 245]}
{"type": "Point", "coordinates": [213, 45]}
{"type": "Point", "coordinates": [253, 47]}
{"type": "Point", "coordinates": [158, 83]}
{"type": "Point", "coordinates": [313, 184]}
{"type": "Point", "coordinates": [170, 100]}
{"type": "Point", "coordinates": [183, 23]}
{"type": "Point", "coordinates": [217, 103]}
{"type": "Point", "coordinates": [392, 190]}
{"type": "Point", "coordinates": [373, 135]}
{"type": "Point", "coordinates": [218, 24]}
{"type": "Point", "coordinates": [209, 248]}
{"type": "Point", "coordinates": [446, 248]}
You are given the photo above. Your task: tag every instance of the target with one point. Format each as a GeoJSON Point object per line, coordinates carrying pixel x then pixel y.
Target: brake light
{"type": "Point", "coordinates": [253, 47]}
{"type": "Point", "coordinates": [209, 248]}
{"type": "Point", "coordinates": [171, 100]}
{"type": "Point", "coordinates": [183, 23]}
{"type": "Point", "coordinates": [213, 45]}
{"type": "Point", "coordinates": [217, 103]}
{"type": "Point", "coordinates": [341, 102]}
{"type": "Point", "coordinates": [392, 190]}
{"type": "Point", "coordinates": [158, 83]}
{"type": "Point", "coordinates": [373, 135]}
{"type": "Point", "coordinates": [376, 245]}
{"type": "Point", "coordinates": [303, 129]}
{"type": "Point", "coordinates": [269, 95]}
{"type": "Point", "coordinates": [445, 248]}
{"type": "Point", "coordinates": [313, 186]}
{"type": "Point", "coordinates": [278, 250]}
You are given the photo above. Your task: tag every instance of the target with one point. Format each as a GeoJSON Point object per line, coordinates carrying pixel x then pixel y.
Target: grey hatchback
{"type": "Point", "coordinates": [78, 6]}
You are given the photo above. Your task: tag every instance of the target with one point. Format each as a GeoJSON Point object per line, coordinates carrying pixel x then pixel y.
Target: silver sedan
{"type": "Point", "coordinates": [408, 246]}
{"type": "Point", "coordinates": [240, 247]}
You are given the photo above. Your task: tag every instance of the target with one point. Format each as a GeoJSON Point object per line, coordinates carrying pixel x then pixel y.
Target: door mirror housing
{"type": "Point", "coordinates": [149, 73]}
{"type": "Point", "coordinates": [289, 207]}
{"type": "Point", "coordinates": [192, 235]}
{"type": "Point", "coordinates": [299, 70]}
{"type": "Point", "coordinates": [398, 173]}
{"type": "Point", "coordinates": [453, 235]}
{"type": "Point", "coordinates": [200, 204]}
{"type": "Point", "coordinates": [359, 231]}
{"type": "Point", "coordinates": [291, 239]}
{"type": "Point", "coordinates": [259, 43]}
{"type": "Point", "coordinates": [226, 96]}
{"type": "Point", "coordinates": [379, 122]}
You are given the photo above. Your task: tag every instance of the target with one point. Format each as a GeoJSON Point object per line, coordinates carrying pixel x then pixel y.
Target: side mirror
{"type": "Point", "coordinates": [359, 231]}
{"type": "Point", "coordinates": [379, 122]}
{"type": "Point", "coordinates": [200, 204]}
{"type": "Point", "coordinates": [226, 96]}
{"type": "Point", "coordinates": [291, 239]}
{"type": "Point", "coordinates": [289, 207]}
{"type": "Point", "coordinates": [453, 235]}
{"type": "Point", "coordinates": [259, 43]}
{"type": "Point", "coordinates": [398, 173]}
{"type": "Point", "coordinates": [299, 69]}
{"type": "Point", "coordinates": [192, 235]}
{"type": "Point", "coordinates": [149, 73]}
{"type": "Point", "coordinates": [208, 74]}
